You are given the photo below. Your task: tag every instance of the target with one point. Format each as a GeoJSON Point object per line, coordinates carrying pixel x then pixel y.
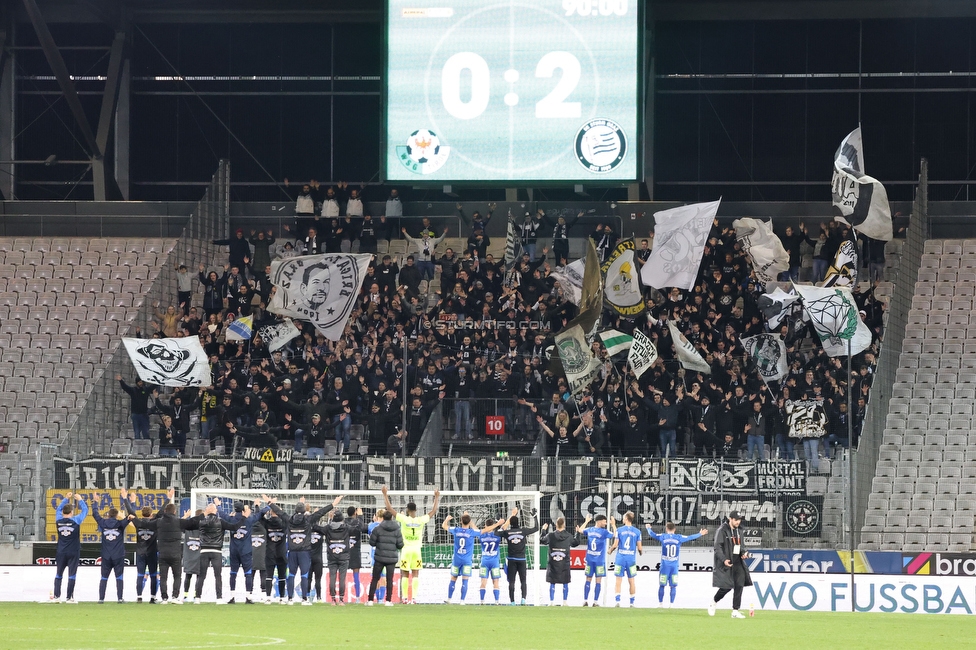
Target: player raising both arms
{"type": "Point", "coordinates": [558, 571]}
{"type": "Point", "coordinates": [597, 536]}
{"type": "Point", "coordinates": [412, 527]}
{"type": "Point", "coordinates": [628, 545]}
{"type": "Point", "coordinates": [670, 549]}
{"type": "Point", "coordinates": [489, 565]}
{"type": "Point", "coordinates": [464, 540]}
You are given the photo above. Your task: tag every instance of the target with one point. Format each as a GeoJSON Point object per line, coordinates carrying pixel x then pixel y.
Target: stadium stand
{"type": "Point", "coordinates": [923, 497]}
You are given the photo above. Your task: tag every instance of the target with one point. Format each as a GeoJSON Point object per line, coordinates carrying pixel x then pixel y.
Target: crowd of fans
{"type": "Point", "coordinates": [481, 346]}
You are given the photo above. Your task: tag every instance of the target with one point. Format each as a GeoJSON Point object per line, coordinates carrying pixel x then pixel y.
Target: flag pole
{"type": "Point", "coordinates": [850, 473]}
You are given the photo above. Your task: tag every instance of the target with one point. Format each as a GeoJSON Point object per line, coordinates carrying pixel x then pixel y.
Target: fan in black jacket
{"type": "Point", "coordinates": [298, 529]}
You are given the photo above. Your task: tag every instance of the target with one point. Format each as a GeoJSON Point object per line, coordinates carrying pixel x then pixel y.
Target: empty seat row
{"type": "Point", "coordinates": [118, 245]}
{"type": "Point", "coordinates": [935, 303]}
{"type": "Point", "coordinates": [948, 284]}
{"type": "Point", "coordinates": [132, 297]}
{"type": "Point", "coordinates": [79, 260]}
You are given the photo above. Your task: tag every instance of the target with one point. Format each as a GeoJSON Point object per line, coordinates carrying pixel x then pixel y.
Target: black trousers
{"type": "Point", "coordinates": [377, 574]}
{"type": "Point", "coordinates": [69, 562]}
{"type": "Point", "coordinates": [516, 568]}
{"type": "Point", "coordinates": [208, 560]}
{"type": "Point", "coordinates": [274, 561]}
{"type": "Point", "coordinates": [738, 582]}
{"type": "Point", "coordinates": [318, 566]}
{"type": "Point", "coordinates": [167, 564]}
{"type": "Point", "coordinates": [338, 570]}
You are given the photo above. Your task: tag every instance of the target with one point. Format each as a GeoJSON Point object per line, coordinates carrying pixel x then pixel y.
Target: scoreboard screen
{"type": "Point", "coordinates": [512, 90]}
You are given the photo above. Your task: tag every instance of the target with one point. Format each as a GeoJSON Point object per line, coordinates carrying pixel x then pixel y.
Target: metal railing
{"type": "Point", "coordinates": [866, 456]}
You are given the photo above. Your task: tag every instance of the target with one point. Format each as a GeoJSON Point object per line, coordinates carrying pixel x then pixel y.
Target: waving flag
{"type": "Point", "coordinates": [769, 258]}
{"type": "Point", "coordinates": [240, 329]}
{"type": "Point", "coordinates": [616, 341]}
{"type": "Point", "coordinates": [687, 354]}
{"type": "Point", "coordinates": [835, 318]}
{"type": "Point", "coordinates": [679, 244]}
{"type": "Point", "coordinates": [621, 287]}
{"type": "Point", "coordinates": [577, 359]}
{"type": "Point", "coordinates": [321, 289]}
{"type": "Point", "coordinates": [859, 200]}
{"type": "Point", "coordinates": [170, 361]}
{"type": "Point", "coordinates": [591, 295]}
{"type": "Point", "coordinates": [776, 305]}
{"type": "Point", "coordinates": [277, 336]}
{"type": "Point", "coordinates": [768, 351]}
{"type": "Point", "coordinates": [570, 279]}
{"type": "Point", "coordinates": [642, 354]}
{"type": "Point", "coordinates": [843, 272]}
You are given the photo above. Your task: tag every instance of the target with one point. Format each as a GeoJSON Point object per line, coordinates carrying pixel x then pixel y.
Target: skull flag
{"type": "Point", "coordinates": [169, 362]}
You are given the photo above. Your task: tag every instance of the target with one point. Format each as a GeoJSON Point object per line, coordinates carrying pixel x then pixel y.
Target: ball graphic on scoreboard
{"type": "Point", "coordinates": [423, 146]}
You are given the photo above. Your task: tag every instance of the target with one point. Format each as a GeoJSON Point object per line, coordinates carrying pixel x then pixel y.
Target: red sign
{"type": "Point", "coordinates": [495, 425]}
{"type": "Point", "coordinates": [577, 558]}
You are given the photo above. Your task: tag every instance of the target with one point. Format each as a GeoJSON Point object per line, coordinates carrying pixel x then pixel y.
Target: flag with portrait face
{"type": "Point", "coordinates": [768, 352]}
{"type": "Point", "coordinates": [321, 289]}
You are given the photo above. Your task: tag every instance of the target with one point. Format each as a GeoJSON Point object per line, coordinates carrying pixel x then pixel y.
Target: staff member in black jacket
{"type": "Point", "coordinates": [211, 551]}
{"type": "Point", "coordinates": [169, 543]}
{"type": "Point", "coordinates": [335, 537]}
{"type": "Point", "coordinates": [147, 554]}
{"type": "Point", "coordinates": [560, 541]}
{"type": "Point", "coordinates": [731, 573]}
{"type": "Point", "coordinates": [386, 540]}
{"type": "Point", "coordinates": [276, 556]}
{"type": "Point", "coordinates": [298, 529]}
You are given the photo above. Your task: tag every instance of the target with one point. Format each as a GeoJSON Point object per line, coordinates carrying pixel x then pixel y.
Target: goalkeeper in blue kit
{"type": "Point", "coordinates": [465, 537]}
{"type": "Point", "coordinates": [670, 550]}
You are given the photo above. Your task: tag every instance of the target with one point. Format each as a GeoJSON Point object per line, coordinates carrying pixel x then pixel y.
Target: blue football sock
{"type": "Point", "coordinates": [586, 591]}
{"type": "Point", "coordinates": [566, 591]}
{"type": "Point", "coordinates": [381, 593]}
{"type": "Point", "coordinates": [464, 589]}
{"type": "Point", "coordinates": [552, 592]}
{"type": "Point", "coordinates": [450, 589]}
{"type": "Point", "coordinates": [660, 594]}
{"type": "Point", "coordinates": [618, 598]}
{"type": "Point", "coordinates": [497, 594]}
{"type": "Point", "coordinates": [596, 591]}
{"type": "Point", "coordinates": [483, 595]}
{"type": "Point", "coordinates": [355, 582]}
{"type": "Point", "coordinates": [674, 590]}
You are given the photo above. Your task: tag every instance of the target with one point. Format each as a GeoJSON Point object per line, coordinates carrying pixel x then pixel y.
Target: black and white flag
{"type": "Point", "coordinates": [169, 361]}
{"type": "Point", "coordinates": [321, 289]}
{"type": "Point", "coordinates": [806, 418]}
{"type": "Point", "coordinates": [859, 200]}
{"type": "Point", "coordinates": [277, 336]}
{"type": "Point", "coordinates": [688, 356]}
{"type": "Point", "coordinates": [843, 272]}
{"type": "Point", "coordinates": [776, 305]}
{"type": "Point", "coordinates": [642, 354]}
{"type": "Point", "coordinates": [680, 235]}
{"type": "Point", "coordinates": [769, 257]}
{"type": "Point", "coordinates": [768, 351]}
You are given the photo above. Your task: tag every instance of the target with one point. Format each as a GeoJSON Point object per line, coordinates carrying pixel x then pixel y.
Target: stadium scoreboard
{"type": "Point", "coordinates": [512, 90]}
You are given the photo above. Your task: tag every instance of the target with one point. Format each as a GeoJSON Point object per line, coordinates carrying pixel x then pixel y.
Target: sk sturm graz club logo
{"type": "Point", "coordinates": [601, 145]}
{"type": "Point", "coordinates": [802, 517]}
{"type": "Point", "coordinates": [165, 360]}
{"type": "Point", "coordinates": [573, 358]}
{"type": "Point", "coordinates": [423, 153]}
{"type": "Point", "coordinates": [766, 353]}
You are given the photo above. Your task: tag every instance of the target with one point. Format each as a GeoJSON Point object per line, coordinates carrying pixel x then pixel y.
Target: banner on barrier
{"type": "Point", "coordinates": [823, 561]}
{"type": "Point", "coordinates": [765, 477]}
{"type": "Point", "coordinates": [102, 500]}
{"type": "Point", "coordinates": [803, 516]}
{"type": "Point", "coordinates": [940, 564]}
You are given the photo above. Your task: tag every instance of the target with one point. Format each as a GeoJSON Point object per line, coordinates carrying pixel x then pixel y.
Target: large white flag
{"type": "Point", "coordinates": [321, 289]}
{"type": "Point", "coordinates": [642, 354]}
{"type": "Point", "coordinates": [687, 354]}
{"type": "Point", "coordinates": [859, 200]}
{"type": "Point", "coordinates": [170, 362]}
{"type": "Point", "coordinates": [835, 318]}
{"type": "Point", "coordinates": [577, 359]}
{"type": "Point", "coordinates": [570, 279]}
{"type": "Point", "coordinates": [277, 336]}
{"type": "Point", "coordinates": [768, 351]}
{"type": "Point", "coordinates": [769, 258]}
{"type": "Point", "coordinates": [679, 244]}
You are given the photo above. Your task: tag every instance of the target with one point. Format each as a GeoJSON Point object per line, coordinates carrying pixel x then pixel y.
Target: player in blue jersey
{"type": "Point", "coordinates": [465, 536]}
{"type": "Point", "coordinates": [597, 537]}
{"type": "Point", "coordinates": [490, 564]}
{"type": "Point", "coordinates": [670, 550]}
{"type": "Point", "coordinates": [68, 554]}
{"type": "Point", "coordinates": [112, 529]}
{"type": "Point", "coordinates": [628, 546]}
{"type": "Point", "coordinates": [381, 585]}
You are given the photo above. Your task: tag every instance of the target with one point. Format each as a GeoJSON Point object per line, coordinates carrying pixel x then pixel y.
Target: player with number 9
{"type": "Point", "coordinates": [670, 550]}
{"type": "Point", "coordinates": [464, 539]}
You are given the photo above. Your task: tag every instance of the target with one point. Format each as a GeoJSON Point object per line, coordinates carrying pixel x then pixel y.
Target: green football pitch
{"type": "Point", "coordinates": [428, 627]}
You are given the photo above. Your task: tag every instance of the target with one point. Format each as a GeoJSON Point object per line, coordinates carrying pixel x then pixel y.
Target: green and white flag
{"type": "Point", "coordinates": [577, 359]}
{"type": "Point", "coordinates": [616, 341]}
{"type": "Point", "coordinates": [642, 354]}
{"type": "Point", "coordinates": [835, 318]}
{"type": "Point", "coordinates": [687, 354]}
